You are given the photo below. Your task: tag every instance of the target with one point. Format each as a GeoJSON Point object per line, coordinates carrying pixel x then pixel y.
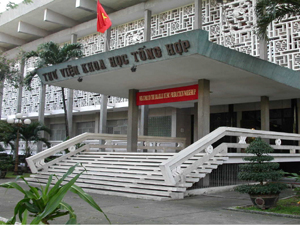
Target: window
{"type": "Point", "coordinates": [58, 132]}
{"type": "Point", "coordinates": [160, 126]}
{"type": "Point", "coordinates": [83, 127]}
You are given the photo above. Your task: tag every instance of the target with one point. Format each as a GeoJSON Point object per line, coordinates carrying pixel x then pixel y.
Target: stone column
{"type": "Point", "coordinates": [20, 89]}
{"type": "Point", "coordinates": [41, 117]}
{"type": "Point", "coordinates": [203, 108]}
{"type": "Point", "coordinates": [145, 108]}
{"type": "Point", "coordinates": [195, 122]}
{"type": "Point", "coordinates": [298, 116]}
{"type": "Point", "coordinates": [104, 98]}
{"type": "Point", "coordinates": [103, 115]}
{"type": "Point", "coordinates": [174, 123]}
{"type": "Point", "coordinates": [144, 120]}
{"type": "Point", "coordinates": [70, 99]}
{"type": "Point", "coordinates": [198, 14]}
{"type": "Point", "coordinates": [265, 113]}
{"type": "Point", "coordinates": [132, 130]}
{"type": "Point", "coordinates": [1, 97]}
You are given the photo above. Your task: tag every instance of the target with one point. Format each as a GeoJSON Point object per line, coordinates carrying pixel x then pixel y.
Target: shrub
{"type": "Point", "coordinates": [45, 204]}
{"type": "Point", "coordinates": [260, 169]}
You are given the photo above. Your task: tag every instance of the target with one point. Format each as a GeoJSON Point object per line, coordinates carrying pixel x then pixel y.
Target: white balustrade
{"type": "Point", "coordinates": [90, 141]}
{"type": "Point", "coordinates": [205, 146]}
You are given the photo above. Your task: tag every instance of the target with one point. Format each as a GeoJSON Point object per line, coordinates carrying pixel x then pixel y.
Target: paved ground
{"type": "Point", "coordinates": [203, 209]}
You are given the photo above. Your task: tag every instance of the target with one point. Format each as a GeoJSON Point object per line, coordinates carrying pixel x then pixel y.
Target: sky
{"type": "Point", "coordinates": [4, 2]}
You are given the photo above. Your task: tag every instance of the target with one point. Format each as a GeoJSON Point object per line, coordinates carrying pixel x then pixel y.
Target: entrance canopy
{"type": "Point", "coordinates": [176, 61]}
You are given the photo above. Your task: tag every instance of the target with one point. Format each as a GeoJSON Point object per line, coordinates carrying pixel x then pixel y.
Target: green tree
{"type": "Point", "coordinates": [8, 71]}
{"type": "Point", "coordinates": [49, 54]}
{"type": "Point", "coordinates": [31, 133]}
{"type": "Point", "coordinates": [268, 11]}
{"type": "Point", "coordinates": [5, 134]}
{"type": "Point", "coordinates": [27, 132]}
{"type": "Point", "coordinates": [260, 169]}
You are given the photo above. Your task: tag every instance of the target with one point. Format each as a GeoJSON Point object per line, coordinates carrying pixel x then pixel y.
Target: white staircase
{"type": "Point", "coordinates": [127, 174]}
{"type": "Point", "coordinates": [155, 174]}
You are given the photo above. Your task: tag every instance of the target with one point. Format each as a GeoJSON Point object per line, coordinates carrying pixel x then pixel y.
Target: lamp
{"type": "Point", "coordinates": [18, 123]}
{"type": "Point", "coordinates": [133, 68]}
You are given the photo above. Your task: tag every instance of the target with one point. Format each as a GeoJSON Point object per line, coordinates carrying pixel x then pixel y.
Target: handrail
{"type": "Point", "coordinates": [171, 168]}
{"type": "Point", "coordinates": [37, 162]}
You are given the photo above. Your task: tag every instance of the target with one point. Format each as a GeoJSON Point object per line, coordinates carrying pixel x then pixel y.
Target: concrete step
{"type": "Point", "coordinates": [114, 193]}
{"type": "Point", "coordinates": [128, 174]}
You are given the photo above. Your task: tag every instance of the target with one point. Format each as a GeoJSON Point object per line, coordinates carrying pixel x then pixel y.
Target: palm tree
{"type": "Point", "coordinates": [268, 11]}
{"type": "Point", "coordinates": [27, 132]}
{"type": "Point", "coordinates": [5, 134]}
{"type": "Point", "coordinates": [49, 54]}
{"type": "Point", "coordinates": [31, 133]}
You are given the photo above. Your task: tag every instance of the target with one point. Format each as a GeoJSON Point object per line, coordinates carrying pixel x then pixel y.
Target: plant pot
{"type": "Point", "coordinates": [264, 201]}
{"type": "Point", "coordinates": [2, 174]}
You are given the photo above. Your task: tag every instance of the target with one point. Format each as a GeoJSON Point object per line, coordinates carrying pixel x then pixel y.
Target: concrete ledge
{"type": "Point", "coordinates": [264, 213]}
{"type": "Point", "coordinates": [211, 190]}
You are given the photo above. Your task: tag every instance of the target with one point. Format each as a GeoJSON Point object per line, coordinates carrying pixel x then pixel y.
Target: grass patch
{"type": "Point", "coordinates": [284, 206]}
{"type": "Point", "coordinates": [11, 175]}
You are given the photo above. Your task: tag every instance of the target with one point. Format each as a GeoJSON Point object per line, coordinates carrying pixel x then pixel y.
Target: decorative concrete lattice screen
{"type": "Point", "coordinates": [231, 25]}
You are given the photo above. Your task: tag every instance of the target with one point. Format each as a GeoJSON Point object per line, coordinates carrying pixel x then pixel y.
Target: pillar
{"type": "Point", "coordinates": [132, 130]}
{"type": "Point", "coordinates": [147, 28]}
{"type": "Point", "coordinates": [198, 14]}
{"type": "Point", "coordinates": [195, 138]}
{"type": "Point", "coordinates": [298, 116]}
{"type": "Point", "coordinates": [265, 113]}
{"type": "Point", "coordinates": [103, 115]}
{"type": "Point", "coordinates": [1, 97]}
{"type": "Point", "coordinates": [144, 120]}
{"type": "Point", "coordinates": [20, 89]}
{"type": "Point", "coordinates": [203, 114]}
{"type": "Point", "coordinates": [145, 108]}
{"type": "Point", "coordinates": [104, 98]}
{"type": "Point", "coordinates": [174, 123]}
{"type": "Point", "coordinates": [70, 99]}
{"type": "Point", "coordinates": [41, 117]}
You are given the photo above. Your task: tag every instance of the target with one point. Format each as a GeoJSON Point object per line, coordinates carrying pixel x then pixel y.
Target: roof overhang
{"type": "Point", "coordinates": [234, 77]}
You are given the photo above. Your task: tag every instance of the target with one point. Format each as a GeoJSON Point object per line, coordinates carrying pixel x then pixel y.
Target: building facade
{"type": "Point", "coordinates": [230, 24]}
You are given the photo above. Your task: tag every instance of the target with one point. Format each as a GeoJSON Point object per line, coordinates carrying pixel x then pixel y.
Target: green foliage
{"type": "Point", "coordinates": [268, 11]}
{"type": "Point", "coordinates": [32, 133]}
{"type": "Point", "coordinates": [283, 206]}
{"type": "Point", "coordinates": [6, 161]}
{"type": "Point", "coordinates": [51, 53]}
{"type": "Point", "coordinates": [259, 147]}
{"type": "Point", "coordinates": [257, 189]}
{"type": "Point", "coordinates": [260, 169]}
{"type": "Point", "coordinates": [8, 71]}
{"type": "Point", "coordinates": [5, 134]}
{"type": "Point", "coordinates": [46, 203]}
{"type": "Point", "coordinates": [12, 5]}
{"type": "Point", "coordinates": [297, 178]}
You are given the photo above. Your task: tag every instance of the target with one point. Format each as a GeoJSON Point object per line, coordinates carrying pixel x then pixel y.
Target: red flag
{"type": "Point", "coordinates": [103, 21]}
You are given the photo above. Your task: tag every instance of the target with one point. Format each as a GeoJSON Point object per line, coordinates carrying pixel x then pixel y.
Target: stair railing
{"type": "Point", "coordinates": [110, 142]}
{"type": "Point", "coordinates": [174, 174]}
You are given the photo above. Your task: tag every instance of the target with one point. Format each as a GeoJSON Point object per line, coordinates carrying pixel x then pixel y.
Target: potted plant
{"type": "Point", "coordinates": [265, 193]}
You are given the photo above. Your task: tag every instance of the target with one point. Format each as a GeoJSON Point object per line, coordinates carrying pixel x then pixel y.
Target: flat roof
{"type": "Point", "coordinates": [234, 77]}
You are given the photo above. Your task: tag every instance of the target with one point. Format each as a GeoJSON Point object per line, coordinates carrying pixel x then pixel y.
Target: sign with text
{"type": "Point", "coordinates": [178, 94]}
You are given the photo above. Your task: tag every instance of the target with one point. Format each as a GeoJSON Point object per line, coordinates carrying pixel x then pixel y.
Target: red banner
{"type": "Point", "coordinates": [178, 94]}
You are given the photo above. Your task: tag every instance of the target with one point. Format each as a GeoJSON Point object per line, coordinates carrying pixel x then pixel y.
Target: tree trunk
{"type": "Point", "coordinates": [65, 112]}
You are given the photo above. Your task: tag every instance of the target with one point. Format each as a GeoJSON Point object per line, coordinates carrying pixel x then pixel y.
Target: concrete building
{"type": "Point", "coordinates": [207, 49]}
